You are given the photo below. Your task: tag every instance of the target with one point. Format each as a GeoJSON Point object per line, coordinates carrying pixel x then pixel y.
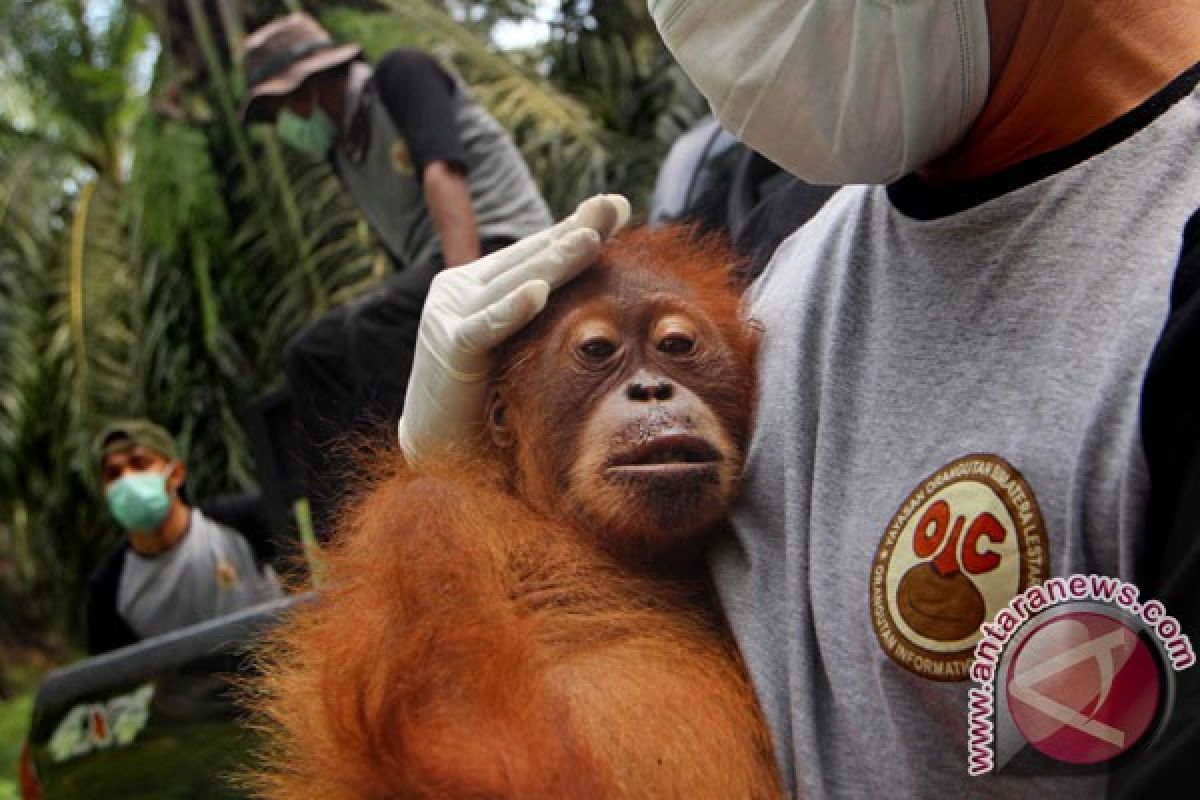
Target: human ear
{"type": "Point", "coordinates": [176, 476]}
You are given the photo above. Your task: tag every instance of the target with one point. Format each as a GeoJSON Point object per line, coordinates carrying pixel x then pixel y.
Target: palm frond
{"type": "Point", "coordinates": [170, 289]}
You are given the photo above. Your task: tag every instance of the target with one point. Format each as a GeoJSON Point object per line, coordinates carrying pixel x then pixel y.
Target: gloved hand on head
{"type": "Point", "coordinates": [473, 308]}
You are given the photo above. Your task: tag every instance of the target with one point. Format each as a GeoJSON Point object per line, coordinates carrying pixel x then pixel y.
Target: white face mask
{"type": "Point", "coordinates": [836, 91]}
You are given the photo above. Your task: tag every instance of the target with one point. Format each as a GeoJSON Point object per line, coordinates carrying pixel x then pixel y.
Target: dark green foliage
{"type": "Point", "coordinates": [156, 262]}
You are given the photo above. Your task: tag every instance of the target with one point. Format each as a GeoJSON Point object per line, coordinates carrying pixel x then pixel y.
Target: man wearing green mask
{"type": "Point", "coordinates": [178, 565]}
{"type": "Point", "coordinates": [440, 182]}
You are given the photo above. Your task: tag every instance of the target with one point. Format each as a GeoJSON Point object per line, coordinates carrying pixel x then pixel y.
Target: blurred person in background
{"type": "Point", "coordinates": [440, 182]}
{"type": "Point", "coordinates": [177, 564]}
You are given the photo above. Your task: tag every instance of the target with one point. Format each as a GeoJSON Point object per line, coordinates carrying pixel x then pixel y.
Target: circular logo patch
{"type": "Point", "coordinates": [227, 576]}
{"type": "Point", "coordinates": [1084, 688]}
{"type": "Point", "coordinates": [401, 160]}
{"type": "Point", "coordinates": [965, 541]}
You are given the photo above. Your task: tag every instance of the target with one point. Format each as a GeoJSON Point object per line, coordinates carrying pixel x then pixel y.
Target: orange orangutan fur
{"type": "Point", "coordinates": [471, 642]}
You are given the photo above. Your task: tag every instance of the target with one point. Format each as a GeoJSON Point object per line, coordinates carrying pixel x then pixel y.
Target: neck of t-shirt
{"type": "Point", "coordinates": [167, 536]}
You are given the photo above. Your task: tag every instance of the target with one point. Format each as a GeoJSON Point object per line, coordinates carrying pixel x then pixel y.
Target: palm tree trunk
{"type": "Point", "coordinates": [76, 284]}
{"type": "Point", "coordinates": [295, 232]}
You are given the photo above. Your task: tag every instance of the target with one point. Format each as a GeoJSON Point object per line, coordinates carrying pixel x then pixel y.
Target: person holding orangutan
{"type": "Point", "coordinates": [986, 336]}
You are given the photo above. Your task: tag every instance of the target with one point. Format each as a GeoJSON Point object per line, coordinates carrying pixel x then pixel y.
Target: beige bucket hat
{"type": "Point", "coordinates": [282, 54]}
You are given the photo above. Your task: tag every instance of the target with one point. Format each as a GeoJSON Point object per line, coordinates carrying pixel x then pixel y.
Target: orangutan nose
{"type": "Point", "coordinates": [647, 388]}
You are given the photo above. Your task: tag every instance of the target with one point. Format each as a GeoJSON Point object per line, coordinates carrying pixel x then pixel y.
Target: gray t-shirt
{"type": "Point", "coordinates": [211, 572]}
{"type": "Point", "coordinates": [970, 376]}
{"type": "Point", "coordinates": [385, 182]}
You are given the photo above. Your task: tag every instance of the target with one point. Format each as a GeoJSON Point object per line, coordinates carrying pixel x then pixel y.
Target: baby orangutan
{"type": "Point", "coordinates": [540, 625]}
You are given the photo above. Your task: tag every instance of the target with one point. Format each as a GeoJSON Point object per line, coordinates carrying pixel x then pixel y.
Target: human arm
{"type": "Point", "coordinates": [448, 197]}
{"type": "Point", "coordinates": [1168, 567]}
{"type": "Point", "coordinates": [419, 96]}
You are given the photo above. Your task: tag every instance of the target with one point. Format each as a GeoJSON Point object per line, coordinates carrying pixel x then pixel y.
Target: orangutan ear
{"type": "Point", "coordinates": [498, 419]}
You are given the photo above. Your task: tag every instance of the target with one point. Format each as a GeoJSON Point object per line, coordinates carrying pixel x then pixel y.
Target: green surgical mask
{"type": "Point", "coordinates": [312, 134]}
{"type": "Point", "coordinates": [139, 500]}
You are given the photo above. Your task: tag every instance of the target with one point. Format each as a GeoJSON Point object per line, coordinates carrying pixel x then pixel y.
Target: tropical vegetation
{"type": "Point", "coordinates": [155, 256]}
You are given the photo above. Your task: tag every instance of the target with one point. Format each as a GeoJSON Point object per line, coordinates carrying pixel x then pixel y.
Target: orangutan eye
{"type": "Point", "coordinates": [677, 344]}
{"type": "Point", "coordinates": [675, 334]}
{"type": "Point", "coordinates": [597, 349]}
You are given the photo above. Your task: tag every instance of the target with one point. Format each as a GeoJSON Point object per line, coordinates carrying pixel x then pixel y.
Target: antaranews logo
{"type": "Point", "coordinates": [1077, 668]}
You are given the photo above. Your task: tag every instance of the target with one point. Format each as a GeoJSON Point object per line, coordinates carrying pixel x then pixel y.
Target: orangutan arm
{"type": "Point", "coordinates": [415, 675]}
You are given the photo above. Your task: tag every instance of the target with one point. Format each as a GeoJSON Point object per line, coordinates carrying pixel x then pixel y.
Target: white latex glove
{"type": "Point", "coordinates": [472, 308]}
